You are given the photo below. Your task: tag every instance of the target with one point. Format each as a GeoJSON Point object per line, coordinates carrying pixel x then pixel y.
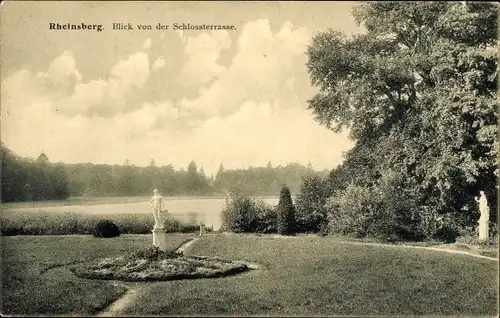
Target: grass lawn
{"type": "Point", "coordinates": [322, 276]}
{"type": "Point", "coordinates": [29, 286]}
{"type": "Point", "coordinates": [303, 276]}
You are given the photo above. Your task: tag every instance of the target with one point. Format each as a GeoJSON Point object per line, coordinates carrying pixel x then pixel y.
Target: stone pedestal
{"type": "Point", "coordinates": [160, 238]}
{"type": "Point", "coordinates": [202, 229]}
{"type": "Point", "coordinates": [483, 231]}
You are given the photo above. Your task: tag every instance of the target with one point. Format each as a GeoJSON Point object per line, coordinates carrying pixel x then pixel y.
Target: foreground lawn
{"type": "Point", "coordinates": [323, 276]}
{"type": "Point", "coordinates": [32, 283]}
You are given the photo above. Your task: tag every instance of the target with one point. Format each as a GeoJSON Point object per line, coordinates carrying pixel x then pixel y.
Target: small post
{"type": "Point", "coordinates": [202, 229]}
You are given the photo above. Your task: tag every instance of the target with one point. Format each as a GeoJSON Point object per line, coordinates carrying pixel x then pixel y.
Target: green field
{"type": "Point", "coordinates": [303, 276]}
{"type": "Point", "coordinates": [33, 282]}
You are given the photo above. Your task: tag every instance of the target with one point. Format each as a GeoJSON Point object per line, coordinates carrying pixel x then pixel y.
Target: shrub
{"type": "Point", "coordinates": [106, 228]}
{"type": "Point", "coordinates": [351, 211]}
{"type": "Point", "coordinates": [311, 212]}
{"type": "Point", "coordinates": [470, 240]}
{"type": "Point", "coordinates": [285, 224]}
{"type": "Point", "coordinates": [176, 226]}
{"type": "Point", "coordinates": [239, 214]}
{"type": "Point", "coordinates": [391, 209]}
{"type": "Point", "coordinates": [153, 253]}
{"type": "Point", "coordinates": [266, 219]}
{"type": "Point", "coordinates": [246, 214]}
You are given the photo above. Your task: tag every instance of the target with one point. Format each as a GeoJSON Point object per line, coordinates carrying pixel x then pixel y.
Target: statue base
{"type": "Point", "coordinates": [160, 238]}
{"type": "Point", "coordinates": [483, 229]}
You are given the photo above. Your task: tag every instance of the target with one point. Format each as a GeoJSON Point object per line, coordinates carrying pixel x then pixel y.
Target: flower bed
{"type": "Point", "coordinates": [154, 265]}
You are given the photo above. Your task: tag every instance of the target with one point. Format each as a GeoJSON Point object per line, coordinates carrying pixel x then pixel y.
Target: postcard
{"type": "Point", "coordinates": [248, 158]}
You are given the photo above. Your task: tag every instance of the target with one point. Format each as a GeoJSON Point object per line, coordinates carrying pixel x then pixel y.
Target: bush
{"type": "Point", "coordinates": [392, 209]}
{"type": "Point", "coordinates": [351, 211]}
{"type": "Point", "coordinates": [245, 214]}
{"type": "Point", "coordinates": [266, 219]}
{"type": "Point", "coordinates": [153, 253]}
{"type": "Point", "coordinates": [286, 224]}
{"type": "Point", "coordinates": [176, 226]}
{"type": "Point", "coordinates": [311, 213]}
{"type": "Point", "coordinates": [239, 215]}
{"type": "Point", "coordinates": [106, 228]}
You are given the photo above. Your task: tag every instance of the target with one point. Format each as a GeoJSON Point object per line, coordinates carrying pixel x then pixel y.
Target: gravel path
{"type": "Point", "coordinates": [117, 306]}
{"type": "Point", "coordinates": [445, 250]}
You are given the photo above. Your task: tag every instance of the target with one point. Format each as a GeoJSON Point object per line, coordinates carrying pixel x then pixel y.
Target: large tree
{"type": "Point", "coordinates": [417, 93]}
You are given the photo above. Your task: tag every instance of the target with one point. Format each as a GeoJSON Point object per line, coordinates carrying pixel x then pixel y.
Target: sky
{"type": "Point", "coordinates": [236, 97]}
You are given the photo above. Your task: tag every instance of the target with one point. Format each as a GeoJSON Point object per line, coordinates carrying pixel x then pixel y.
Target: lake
{"type": "Point", "coordinates": [192, 210]}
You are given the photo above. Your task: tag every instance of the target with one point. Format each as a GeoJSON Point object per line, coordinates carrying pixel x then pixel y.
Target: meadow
{"type": "Point", "coordinates": [305, 275]}
{"type": "Point", "coordinates": [33, 281]}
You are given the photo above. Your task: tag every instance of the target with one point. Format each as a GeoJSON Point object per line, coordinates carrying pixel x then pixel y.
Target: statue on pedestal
{"type": "Point", "coordinates": [159, 235]}
{"type": "Point", "coordinates": [483, 223]}
{"type": "Point", "coordinates": [156, 203]}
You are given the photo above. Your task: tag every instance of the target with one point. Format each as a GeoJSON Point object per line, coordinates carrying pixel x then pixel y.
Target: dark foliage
{"type": "Point", "coordinates": [246, 214]}
{"type": "Point", "coordinates": [311, 213]}
{"type": "Point", "coordinates": [106, 228]}
{"type": "Point", "coordinates": [26, 179]}
{"type": "Point", "coordinates": [286, 224]}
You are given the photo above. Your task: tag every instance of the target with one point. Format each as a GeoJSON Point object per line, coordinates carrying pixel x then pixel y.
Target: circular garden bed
{"type": "Point", "coordinates": [154, 265]}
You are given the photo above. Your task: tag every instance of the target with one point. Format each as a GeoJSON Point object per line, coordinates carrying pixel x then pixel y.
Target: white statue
{"type": "Point", "coordinates": [156, 203]}
{"type": "Point", "coordinates": [484, 218]}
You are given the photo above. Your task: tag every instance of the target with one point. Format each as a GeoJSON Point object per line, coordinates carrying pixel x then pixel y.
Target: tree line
{"type": "Point", "coordinates": [25, 179]}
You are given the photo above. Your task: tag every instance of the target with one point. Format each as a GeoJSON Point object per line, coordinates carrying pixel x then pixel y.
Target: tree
{"type": "Point", "coordinates": [42, 158]}
{"type": "Point", "coordinates": [417, 93]}
{"type": "Point", "coordinates": [286, 213]}
{"type": "Point", "coordinates": [192, 168]}
{"type": "Point", "coordinates": [152, 163]}
{"type": "Point", "coordinates": [221, 169]}
{"type": "Point", "coordinates": [310, 202]}
{"type": "Point", "coordinates": [310, 167]}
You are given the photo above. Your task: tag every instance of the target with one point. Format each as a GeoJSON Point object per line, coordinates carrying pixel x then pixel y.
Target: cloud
{"type": "Point", "coordinates": [61, 76]}
{"type": "Point", "coordinates": [133, 71]}
{"type": "Point", "coordinates": [62, 70]}
{"type": "Point", "coordinates": [266, 67]}
{"type": "Point", "coordinates": [109, 97]}
{"type": "Point", "coordinates": [158, 63]}
{"type": "Point", "coordinates": [202, 52]}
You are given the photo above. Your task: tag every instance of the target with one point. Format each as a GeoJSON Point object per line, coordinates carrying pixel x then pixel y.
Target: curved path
{"type": "Point", "coordinates": [445, 250]}
{"type": "Point", "coordinates": [117, 306]}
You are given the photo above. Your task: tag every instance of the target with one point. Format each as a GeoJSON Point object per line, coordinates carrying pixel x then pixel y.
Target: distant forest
{"type": "Point", "coordinates": [26, 179]}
